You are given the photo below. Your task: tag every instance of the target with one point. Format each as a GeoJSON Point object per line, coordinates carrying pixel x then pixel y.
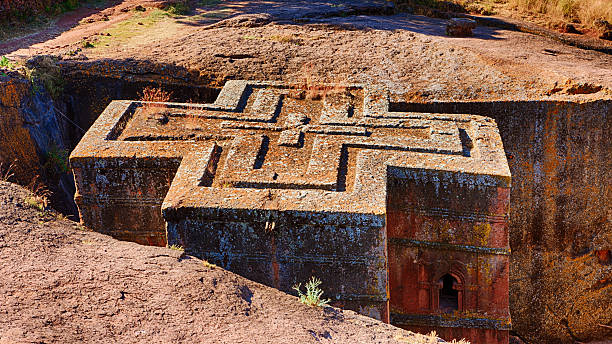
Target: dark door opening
{"type": "Point", "coordinates": [449, 296]}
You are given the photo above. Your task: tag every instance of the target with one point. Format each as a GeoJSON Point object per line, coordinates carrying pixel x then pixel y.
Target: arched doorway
{"type": "Point", "coordinates": [448, 294]}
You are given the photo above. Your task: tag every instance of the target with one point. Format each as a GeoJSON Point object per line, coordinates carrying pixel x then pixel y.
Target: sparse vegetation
{"type": "Point", "coordinates": [155, 94]}
{"type": "Point", "coordinates": [33, 202]}
{"type": "Point", "coordinates": [586, 12]}
{"type": "Point", "coordinates": [313, 293]}
{"type": "Point", "coordinates": [28, 11]}
{"type": "Point", "coordinates": [589, 14]}
{"type": "Point", "coordinates": [6, 171]}
{"type": "Point", "coordinates": [56, 161]}
{"type": "Point", "coordinates": [87, 44]}
{"type": "Point", "coordinates": [45, 71]}
{"type": "Point", "coordinates": [60, 217]}
{"type": "Point", "coordinates": [176, 247]}
{"type": "Point", "coordinates": [80, 227]}
{"type": "Point", "coordinates": [39, 195]}
{"type": "Point", "coordinates": [22, 17]}
{"type": "Point", "coordinates": [6, 63]}
{"type": "Point", "coordinates": [127, 31]}
{"type": "Point", "coordinates": [209, 265]}
{"type": "Point", "coordinates": [178, 8]}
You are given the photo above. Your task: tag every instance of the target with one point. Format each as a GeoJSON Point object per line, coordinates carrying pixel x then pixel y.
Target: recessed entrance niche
{"type": "Point", "coordinates": [449, 296]}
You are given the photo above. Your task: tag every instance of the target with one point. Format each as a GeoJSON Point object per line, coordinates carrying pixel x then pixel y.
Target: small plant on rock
{"type": "Point", "coordinates": [6, 63]}
{"type": "Point", "coordinates": [176, 247]}
{"type": "Point", "coordinates": [40, 195]}
{"type": "Point", "coordinates": [56, 161]}
{"type": "Point", "coordinates": [209, 265]}
{"type": "Point", "coordinates": [313, 293]}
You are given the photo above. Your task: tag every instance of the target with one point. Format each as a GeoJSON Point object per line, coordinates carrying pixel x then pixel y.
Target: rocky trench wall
{"type": "Point", "coordinates": [560, 157]}
{"type": "Point", "coordinates": [32, 140]}
{"type": "Point", "coordinates": [560, 222]}
{"type": "Point", "coordinates": [17, 148]}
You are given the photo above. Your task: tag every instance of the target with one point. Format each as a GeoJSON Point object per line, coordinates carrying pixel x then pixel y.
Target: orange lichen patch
{"type": "Point", "coordinates": [481, 233]}
{"type": "Point", "coordinates": [16, 145]}
{"type": "Point", "coordinates": [11, 94]}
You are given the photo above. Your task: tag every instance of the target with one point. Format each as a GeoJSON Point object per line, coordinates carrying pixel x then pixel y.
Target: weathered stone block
{"type": "Point", "coordinates": [400, 209]}
{"type": "Point", "coordinates": [460, 27]}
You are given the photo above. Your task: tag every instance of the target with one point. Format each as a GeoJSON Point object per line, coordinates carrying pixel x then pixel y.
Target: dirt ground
{"type": "Point", "coordinates": [61, 283]}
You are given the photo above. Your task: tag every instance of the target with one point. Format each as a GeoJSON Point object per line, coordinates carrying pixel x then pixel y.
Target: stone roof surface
{"type": "Point", "coordinates": [267, 145]}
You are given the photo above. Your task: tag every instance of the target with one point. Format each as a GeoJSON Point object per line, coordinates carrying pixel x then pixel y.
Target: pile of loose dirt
{"type": "Point", "coordinates": [61, 283]}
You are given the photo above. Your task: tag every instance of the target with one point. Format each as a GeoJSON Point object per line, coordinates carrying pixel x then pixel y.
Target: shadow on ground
{"type": "Point", "coordinates": [361, 15]}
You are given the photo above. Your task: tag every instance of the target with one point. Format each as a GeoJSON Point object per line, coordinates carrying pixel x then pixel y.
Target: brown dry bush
{"type": "Point", "coordinates": [155, 94]}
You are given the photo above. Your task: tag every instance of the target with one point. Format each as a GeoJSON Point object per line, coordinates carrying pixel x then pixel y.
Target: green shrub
{"type": "Point", "coordinates": [178, 8]}
{"type": "Point", "coordinates": [6, 63]}
{"type": "Point", "coordinates": [313, 293]}
{"type": "Point", "coordinates": [45, 70]}
{"type": "Point", "coordinates": [56, 161]}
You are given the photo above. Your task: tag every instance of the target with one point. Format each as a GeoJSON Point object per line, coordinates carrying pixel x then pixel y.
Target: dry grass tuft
{"type": "Point", "coordinates": [586, 12]}
{"type": "Point", "coordinates": [154, 94]}
{"type": "Point", "coordinates": [430, 338]}
{"type": "Point", "coordinates": [6, 172]}
{"type": "Point", "coordinates": [40, 194]}
{"type": "Point", "coordinates": [590, 14]}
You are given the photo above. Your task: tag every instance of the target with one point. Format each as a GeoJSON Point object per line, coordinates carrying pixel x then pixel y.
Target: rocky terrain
{"type": "Point", "coordinates": [62, 283]}
{"type": "Point", "coordinates": [320, 41]}
{"type": "Point", "coordinates": [552, 103]}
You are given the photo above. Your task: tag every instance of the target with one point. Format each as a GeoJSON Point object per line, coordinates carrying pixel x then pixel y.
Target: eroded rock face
{"type": "Point", "coordinates": [560, 162]}
{"type": "Point", "coordinates": [570, 295]}
{"type": "Point", "coordinates": [278, 182]}
{"type": "Point", "coordinates": [32, 139]}
{"type": "Point", "coordinates": [29, 125]}
{"type": "Point", "coordinates": [16, 144]}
